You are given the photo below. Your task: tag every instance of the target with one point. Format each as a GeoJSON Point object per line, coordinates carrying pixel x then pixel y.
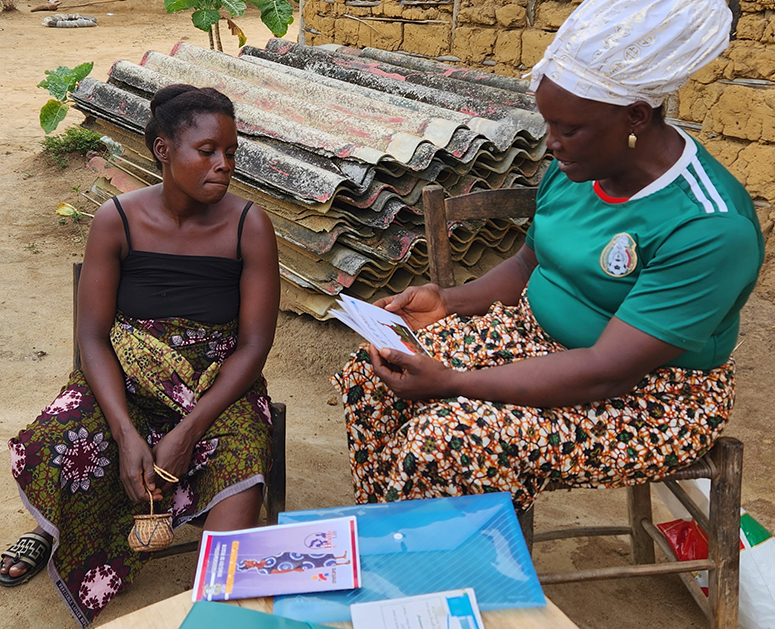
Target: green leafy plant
{"type": "Point", "coordinates": [75, 139]}
{"type": "Point", "coordinates": [60, 83]}
{"type": "Point", "coordinates": [276, 14]}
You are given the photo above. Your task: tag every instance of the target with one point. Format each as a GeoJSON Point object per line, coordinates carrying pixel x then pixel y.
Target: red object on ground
{"type": "Point", "coordinates": [688, 541]}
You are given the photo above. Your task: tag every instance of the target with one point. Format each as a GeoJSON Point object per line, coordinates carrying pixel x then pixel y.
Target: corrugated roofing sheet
{"type": "Point", "coordinates": [337, 146]}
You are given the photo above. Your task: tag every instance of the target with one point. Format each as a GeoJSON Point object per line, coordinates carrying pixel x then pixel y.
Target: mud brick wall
{"type": "Point", "coordinates": [505, 36]}
{"type": "Point", "coordinates": [729, 106]}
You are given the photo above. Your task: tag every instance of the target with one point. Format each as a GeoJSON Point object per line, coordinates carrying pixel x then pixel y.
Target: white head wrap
{"type": "Point", "coordinates": [622, 51]}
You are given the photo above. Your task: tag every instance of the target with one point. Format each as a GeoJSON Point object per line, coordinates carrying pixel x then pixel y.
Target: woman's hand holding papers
{"type": "Point", "coordinates": [412, 376]}
{"type": "Point", "coordinates": [417, 305]}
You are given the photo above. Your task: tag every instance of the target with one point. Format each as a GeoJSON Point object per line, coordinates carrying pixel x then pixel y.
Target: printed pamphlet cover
{"type": "Point", "coordinates": [455, 609]}
{"type": "Point", "coordinates": [284, 559]}
{"type": "Point", "coordinates": [378, 326]}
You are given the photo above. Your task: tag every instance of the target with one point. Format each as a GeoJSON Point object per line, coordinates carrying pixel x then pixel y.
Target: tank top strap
{"type": "Point", "coordinates": [239, 229]}
{"type": "Point", "coordinates": [123, 220]}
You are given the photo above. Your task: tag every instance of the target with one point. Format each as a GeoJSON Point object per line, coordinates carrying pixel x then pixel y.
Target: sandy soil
{"type": "Point", "coordinates": [36, 253]}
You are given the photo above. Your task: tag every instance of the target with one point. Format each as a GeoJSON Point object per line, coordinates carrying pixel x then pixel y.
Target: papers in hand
{"type": "Point", "coordinates": [455, 609]}
{"type": "Point", "coordinates": [379, 327]}
{"type": "Point", "coordinates": [284, 559]}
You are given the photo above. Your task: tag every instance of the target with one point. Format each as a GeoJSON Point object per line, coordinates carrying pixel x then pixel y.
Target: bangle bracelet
{"type": "Point", "coordinates": [165, 475]}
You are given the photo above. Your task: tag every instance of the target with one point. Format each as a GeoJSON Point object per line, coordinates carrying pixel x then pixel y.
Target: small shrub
{"type": "Point", "coordinates": [275, 14]}
{"type": "Point", "coordinates": [7, 5]}
{"type": "Point", "coordinates": [75, 139]}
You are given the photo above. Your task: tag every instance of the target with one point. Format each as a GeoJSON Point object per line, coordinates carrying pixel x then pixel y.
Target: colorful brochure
{"type": "Point", "coordinates": [284, 559]}
{"type": "Point", "coordinates": [455, 609]}
{"type": "Point", "coordinates": [378, 326]}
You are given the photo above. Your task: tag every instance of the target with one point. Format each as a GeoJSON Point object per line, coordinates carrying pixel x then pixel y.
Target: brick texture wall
{"type": "Point", "coordinates": [500, 35]}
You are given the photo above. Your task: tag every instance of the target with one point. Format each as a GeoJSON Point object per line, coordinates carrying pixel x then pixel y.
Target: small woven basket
{"type": "Point", "coordinates": [151, 532]}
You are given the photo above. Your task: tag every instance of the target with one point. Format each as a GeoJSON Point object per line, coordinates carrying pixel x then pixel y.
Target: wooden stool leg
{"type": "Point", "coordinates": [275, 495]}
{"type": "Point", "coordinates": [639, 508]}
{"type": "Point", "coordinates": [724, 534]}
{"type": "Point", "coordinates": [526, 524]}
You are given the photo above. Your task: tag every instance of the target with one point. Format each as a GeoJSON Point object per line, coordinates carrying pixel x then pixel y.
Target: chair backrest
{"type": "Point", "coordinates": [501, 203]}
{"type": "Point", "coordinates": [77, 266]}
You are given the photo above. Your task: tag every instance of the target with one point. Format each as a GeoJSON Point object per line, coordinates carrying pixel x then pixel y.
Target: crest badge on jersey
{"type": "Point", "coordinates": [620, 257]}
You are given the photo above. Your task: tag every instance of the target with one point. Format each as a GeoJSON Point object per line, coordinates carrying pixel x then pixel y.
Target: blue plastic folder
{"type": "Point", "coordinates": [206, 615]}
{"type": "Point", "coordinates": [422, 546]}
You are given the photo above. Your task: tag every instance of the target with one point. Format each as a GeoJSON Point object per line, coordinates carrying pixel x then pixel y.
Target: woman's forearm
{"type": "Point", "coordinates": [612, 367]}
{"type": "Point", "coordinates": [562, 379]}
{"type": "Point", "coordinates": [106, 380]}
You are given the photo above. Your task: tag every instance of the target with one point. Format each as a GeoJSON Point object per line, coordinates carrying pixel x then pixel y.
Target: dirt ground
{"type": "Point", "coordinates": [36, 254]}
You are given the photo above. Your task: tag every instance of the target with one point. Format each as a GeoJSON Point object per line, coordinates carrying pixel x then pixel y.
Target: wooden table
{"type": "Point", "coordinates": [169, 614]}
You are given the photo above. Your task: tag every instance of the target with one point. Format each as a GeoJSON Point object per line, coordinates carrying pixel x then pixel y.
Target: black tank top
{"type": "Point", "coordinates": [200, 288]}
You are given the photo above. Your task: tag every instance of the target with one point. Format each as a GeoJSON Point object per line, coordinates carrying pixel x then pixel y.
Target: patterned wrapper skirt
{"type": "Point", "coordinates": [402, 450]}
{"type": "Point", "coordinates": [67, 468]}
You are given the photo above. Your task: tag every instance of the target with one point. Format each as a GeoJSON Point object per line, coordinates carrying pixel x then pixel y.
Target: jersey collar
{"type": "Point", "coordinates": [607, 197]}
{"type": "Point", "coordinates": [672, 173]}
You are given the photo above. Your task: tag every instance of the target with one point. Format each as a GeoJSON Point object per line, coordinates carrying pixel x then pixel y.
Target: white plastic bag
{"type": "Point", "coordinates": [757, 556]}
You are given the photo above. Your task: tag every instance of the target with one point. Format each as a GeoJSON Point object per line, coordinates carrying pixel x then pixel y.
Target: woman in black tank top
{"type": "Point", "coordinates": [177, 309]}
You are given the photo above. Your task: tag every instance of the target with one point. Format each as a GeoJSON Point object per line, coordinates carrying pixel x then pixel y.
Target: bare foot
{"type": "Point", "coordinates": [20, 568]}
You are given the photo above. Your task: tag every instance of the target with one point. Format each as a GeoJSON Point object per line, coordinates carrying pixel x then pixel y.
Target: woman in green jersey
{"type": "Point", "coordinates": [600, 354]}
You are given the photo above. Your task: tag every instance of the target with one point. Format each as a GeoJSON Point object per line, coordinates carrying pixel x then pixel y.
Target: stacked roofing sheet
{"type": "Point", "coordinates": [337, 145]}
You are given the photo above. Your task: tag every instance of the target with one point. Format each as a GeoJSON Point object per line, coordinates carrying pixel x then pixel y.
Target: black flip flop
{"type": "Point", "coordinates": [31, 549]}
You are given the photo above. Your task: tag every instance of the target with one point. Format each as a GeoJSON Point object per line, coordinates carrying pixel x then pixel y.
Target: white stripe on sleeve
{"type": "Point", "coordinates": [697, 191]}
{"type": "Point", "coordinates": [722, 207]}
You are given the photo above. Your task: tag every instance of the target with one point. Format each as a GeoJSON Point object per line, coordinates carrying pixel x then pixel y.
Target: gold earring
{"type": "Point", "coordinates": [632, 140]}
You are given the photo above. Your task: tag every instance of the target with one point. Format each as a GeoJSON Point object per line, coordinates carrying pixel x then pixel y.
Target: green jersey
{"type": "Point", "coordinates": [677, 260]}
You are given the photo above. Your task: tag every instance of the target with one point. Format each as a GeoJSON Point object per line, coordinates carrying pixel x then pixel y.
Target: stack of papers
{"type": "Point", "coordinates": [379, 327]}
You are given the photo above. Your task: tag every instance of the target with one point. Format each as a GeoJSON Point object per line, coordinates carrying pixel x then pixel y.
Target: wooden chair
{"type": "Point", "coordinates": [274, 501]}
{"type": "Point", "coordinates": [722, 464]}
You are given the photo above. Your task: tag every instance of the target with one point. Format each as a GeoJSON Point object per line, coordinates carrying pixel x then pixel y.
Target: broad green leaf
{"type": "Point", "coordinates": [205, 18]}
{"type": "Point", "coordinates": [235, 7]}
{"type": "Point", "coordinates": [51, 114]}
{"type": "Point", "coordinates": [236, 30]}
{"type": "Point", "coordinates": [58, 82]}
{"type": "Point", "coordinates": [63, 80]}
{"type": "Point", "coordinates": [82, 71]}
{"type": "Point", "coordinates": [276, 14]}
{"type": "Point", "coordinates": [173, 6]}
